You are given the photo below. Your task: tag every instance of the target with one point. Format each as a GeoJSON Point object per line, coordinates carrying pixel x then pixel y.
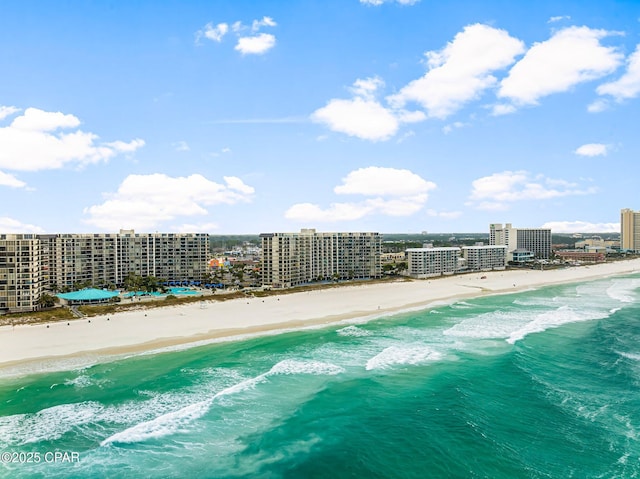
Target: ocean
{"type": "Point", "coordinates": [536, 384]}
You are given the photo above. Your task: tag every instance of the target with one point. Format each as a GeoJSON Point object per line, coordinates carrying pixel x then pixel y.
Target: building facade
{"type": "Point", "coordinates": [485, 258]}
{"type": "Point", "coordinates": [31, 264]}
{"type": "Point", "coordinates": [535, 240]}
{"type": "Point", "coordinates": [291, 259]}
{"type": "Point", "coordinates": [430, 262]}
{"type": "Point", "coordinates": [107, 259]}
{"type": "Point", "coordinates": [630, 230]}
{"type": "Point", "coordinates": [20, 273]}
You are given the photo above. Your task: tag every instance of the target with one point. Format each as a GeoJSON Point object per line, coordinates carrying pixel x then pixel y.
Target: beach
{"type": "Point", "coordinates": [156, 328]}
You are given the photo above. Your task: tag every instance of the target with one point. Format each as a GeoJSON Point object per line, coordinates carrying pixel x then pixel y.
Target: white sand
{"type": "Point", "coordinates": [143, 330]}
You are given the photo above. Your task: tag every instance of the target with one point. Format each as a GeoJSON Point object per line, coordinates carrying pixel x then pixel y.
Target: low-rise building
{"type": "Point", "coordinates": [430, 262]}
{"type": "Point", "coordinates": [485, 258]}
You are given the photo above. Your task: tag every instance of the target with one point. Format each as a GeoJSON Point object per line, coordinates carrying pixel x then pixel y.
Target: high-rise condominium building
{"type": "Point", "coordinates": [429, 262]}
{"type": "Point", "coordinates": [20, 272]}
{"type": "Point", "coordinates": [535, 240]}
{"type": "Point", "coordinates": [30, 264]}
{"type": "Point", "coordinates": [290, 259]}
{"type": "Point", "coordinates": [630, 230]}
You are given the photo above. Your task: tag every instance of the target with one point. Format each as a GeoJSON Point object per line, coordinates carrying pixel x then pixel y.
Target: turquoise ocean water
{"type": "Point", "coordinates": [538, 384]}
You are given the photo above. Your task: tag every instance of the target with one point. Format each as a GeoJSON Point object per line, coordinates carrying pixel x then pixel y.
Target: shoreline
{"type": "Point", "coordinates": [63, 345]}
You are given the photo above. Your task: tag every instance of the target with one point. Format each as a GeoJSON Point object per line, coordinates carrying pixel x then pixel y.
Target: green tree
{"type": "Point", "coordinates": [47, 300]}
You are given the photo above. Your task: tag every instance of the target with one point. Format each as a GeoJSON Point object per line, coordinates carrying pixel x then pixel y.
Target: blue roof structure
{"type": "Point", "coordinates": [88, 295]}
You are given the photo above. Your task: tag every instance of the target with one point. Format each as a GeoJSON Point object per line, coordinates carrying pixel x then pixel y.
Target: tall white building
{"type": "Point", "coordinates": [291, 259]}
{"type": "Point", "coordinates": [430, 262]}
{"type": "Point", "coordinates": [485, 258]}
{"type": "Point", "coordinates": [20, 273]}
{"type": "Point", "coordinates": [535, 240]}
{"type": "Point", "coordinates": [107, 259]}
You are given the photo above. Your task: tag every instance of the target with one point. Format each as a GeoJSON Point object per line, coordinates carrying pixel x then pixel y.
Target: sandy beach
{"type": "Point", "coordinates": [27, 346]}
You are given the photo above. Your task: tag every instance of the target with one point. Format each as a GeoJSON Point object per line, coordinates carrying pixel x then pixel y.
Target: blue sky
{"type": "Point", "coordinates": [248, 116]}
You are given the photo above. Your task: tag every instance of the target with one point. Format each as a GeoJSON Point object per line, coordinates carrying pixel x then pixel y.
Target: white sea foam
{"type": "Point", "coordinates": [632, 356]}
{"type": "Point", "coordinates": [47, 424]}
{"type": "Point", "coordinates": [177, 421]}
{"type": "Point", "coordinates": [353, 331]}
{"type": "Point", "coordinates": [399, 355]}
{"type": "Point", "coordinates": [493, 325]}
{"type": "Point", "coordinates": [555, 318]}
{"type": "Point", "coordinates": [623, 290]}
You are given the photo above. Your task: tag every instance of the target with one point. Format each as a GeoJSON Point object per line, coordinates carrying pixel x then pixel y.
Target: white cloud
{"type": "Point", "coordinates": [375, 180]}
{"type": "Point", "coordinates": [181, 146]}
{"type": "Point", "coordinates": [213, 33]}
{"type": "Point", "coordinates": [571, 56]}
{"type": "Point", "coordinates": [363, 116]}
{"type": "Point", "coordinates": [364, 119]}
{"type": "Point", "coordinates": [502, 109]}
{"type": "Point", "coordinates": [597, 106]}
{"type": "Point", "coordinates": [9, 180]}
{"type": "Point", "coordinates": [450, 127]}
{"type": "Point", "coordinates": [392, 192]}
{"type": "Point", "coordinates": [6, 111]}
{"type": "Point", "coordinates": [196, 228]}
{"type": "Point", "coordinates": [10, 225]}
{"type": "Point", "coordinates": [145, 201]}
{"type": "Point", "coordinates": [256, 45]}
{"type": "Point", "coordinates": [265, 22]}
{"type": "Point", "coordinates": [592, 149]}
{"type": "Point", "coordinates": [449, 215]}
{"type": "Point", "coordinates": [581, 227]}
{"type": "Point", "coordinates": [37, 140]}
{"type": "Point", "coordinates": [627, 86]}
{"type": "Point", "coordinates": [558, 18]}
{"type": "Point", "coordinates": [380, 2]}
{"type": "Point", "coordinates": [461, 71]}
{"type": "Point", "coordinates": [496, 191]}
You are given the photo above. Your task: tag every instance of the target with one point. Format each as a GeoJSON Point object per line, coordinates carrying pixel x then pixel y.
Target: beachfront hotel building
{"type": "Point", "coordinates": [485, 258]}
{"type": "Point", "coordinates": [629, 230]}
{"type": "Point", "coordinates": [429, 262]}
{"type": "Point", "coordinates": [20, 272]}
{"type": "Point", "coordinates": [107, 259]}
{"type": "Point", "coordinates": [534, 240]}
{"type": "Point", "coordinates": [31, 264]}
{"type": "Point", "coordinates": [292, 259]}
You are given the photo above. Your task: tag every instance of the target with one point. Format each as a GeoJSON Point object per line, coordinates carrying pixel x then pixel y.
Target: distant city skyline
{"type": "Point", "coordinates": [244, 117]}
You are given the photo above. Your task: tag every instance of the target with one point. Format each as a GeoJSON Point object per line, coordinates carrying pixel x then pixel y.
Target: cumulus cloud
{"type": "Point", "coordinates": [598, 106]}
{"type": "Point", "coordinates": [364, 116]}
{"type": "Point", "coordinates": [9, 180]}
{"type": "Point", "coordinates": [145, 201]}
{"type": "Point", "coordinates": [592, 149]}
{"type": "Point", "coordinates": [390, 191]}
{"type": "Point", "coordinates": [581, 227]}
{"type": "Point", "coordinates": [256, 25]}
{"type": "Point", "coordinates": [461, 71]}
{"type": "Point", "coordinates": [571, 56]}
{"type": "Point", "coordinates": [213, 33]}
{"type": "Point", "coordinates": [497, 191]}
{"type": "Point", "coordinates": [256, 45]}
{"type": "Point", "coordinates": [250, 41]}
{"type": "Point", "coordinates": [628, 85]}
{"type": "Point", "coordinates": [6, 111]}
{"type": "Point", "coordinates": [41, 140]}
{"type": "Point", "coordinates": [11, 225]}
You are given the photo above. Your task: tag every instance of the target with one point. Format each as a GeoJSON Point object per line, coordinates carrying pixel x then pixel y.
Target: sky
{"type": "Point", "coordinates": [252, 116]}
